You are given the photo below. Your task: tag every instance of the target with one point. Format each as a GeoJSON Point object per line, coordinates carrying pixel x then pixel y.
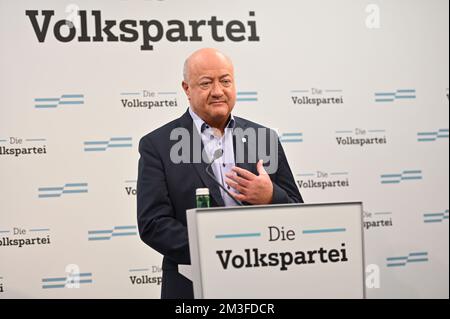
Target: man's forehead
{"type": "Point", "coordinates": [213, 73]}
{"type": "Point", "coordinates": [211, 64]}
{"type": "Point", "coordinates": [208, 62]}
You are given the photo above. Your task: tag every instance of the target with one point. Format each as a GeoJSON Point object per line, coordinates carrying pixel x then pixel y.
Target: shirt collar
{"type": "Point", "coordinates": [201, 125]}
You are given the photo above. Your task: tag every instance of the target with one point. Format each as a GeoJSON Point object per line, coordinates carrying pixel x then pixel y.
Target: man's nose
{"type": "Point", "coordinates": [216, 90]}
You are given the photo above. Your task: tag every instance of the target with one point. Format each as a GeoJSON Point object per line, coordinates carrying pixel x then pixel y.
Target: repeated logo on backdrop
{"type": "Point", "coordinates": [85, 33]}
{"type": "Point", "coordinates": [402, 177]}
{"type": "Point", "coordinates": [20, 146]}
{"type": "Point", "coordinates": [291, 137]}
{"type": "Point", "coordinates": [147, 99]}
{"type": "Point", "coordinates": [245, 97]}
{"type": "Point", "coordinates": [19, 237]}
{"type": "Point", "coordinates": [112, 234]}
{"type": "Point", "coordinates": [145, 276]}
{"type": "Point", "coordinates": [73, 278]}
{"type": "Point", "coordinates": [62, 101]}
{"type": "Point", "coordinates": [62, 190]}
{"type": "Point", "coordinates": [435, 217]}
{"type": "Point", "coordinates": [361, 137]}
{"type": "Point", "coordinates": [433, 136]}
{"type": "Point", "coordinates": [322, 180]}
{"type": "Point", "coordinates": [409, 259]}
{"type": "Point", "coordinates": [377, 220]}
{"type": "Point", "coordinates": [395, 95]}
{"type": "Point", "coordinates": [317, 97]}
{"type": "Point", "coordinates": [108, 144]}
{"type": "Point", "coordinates": [130, 187]}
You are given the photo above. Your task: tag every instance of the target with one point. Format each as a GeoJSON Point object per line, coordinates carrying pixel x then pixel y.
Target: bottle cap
{"type": "Point", "coordinates": [202, 191]}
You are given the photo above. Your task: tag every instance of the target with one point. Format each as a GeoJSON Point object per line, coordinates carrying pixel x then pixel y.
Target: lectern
{"type": "Point", "coordinates": [277, 251]}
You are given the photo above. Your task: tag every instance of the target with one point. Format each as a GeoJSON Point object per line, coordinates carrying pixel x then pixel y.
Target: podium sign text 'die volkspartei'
{"type": "Point", "coordinates": [278, 251]}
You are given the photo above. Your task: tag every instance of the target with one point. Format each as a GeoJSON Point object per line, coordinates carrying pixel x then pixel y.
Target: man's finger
{"type": "Point", "coordinates": [244, 173]}
{"type": "Point", "coordinates": [260, 168]}
{"type": "Point", "coordinates": [235, 185]}
{"type": "Point", "coordinates": [241, 181]}
{"type": "Point", "coordinates": [239, 197]}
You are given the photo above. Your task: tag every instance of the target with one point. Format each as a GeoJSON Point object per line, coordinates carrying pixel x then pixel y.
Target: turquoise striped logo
{"type": "Point", "coordinates": [402, 261]}
{"type": "Point", "coordinates": [58, 191]}
{"type": "Point", "coordinates": [401, 177]}
{"type": "Point", "coordinates": [113, 142]}
{"type": "Point", "coordinates": [432, 136]}
{"type": "Point", "coordinates": [68, 281]}
{"type": "Point", "coordinates": [247, 96]}
{"type": "Point", "coordinates": [63, 100]}
{"type": "Point", "coordinates": [291, 137]}
{"type": "Point", "coordinates": [435, 217]}
{"type": "Point", "coordinates": [401, 94]}
{"type": "Point", "coordinates": [108, 234]}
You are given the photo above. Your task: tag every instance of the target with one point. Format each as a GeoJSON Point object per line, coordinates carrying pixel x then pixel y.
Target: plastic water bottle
{"type": "Point", "coordinates": [202, 197]}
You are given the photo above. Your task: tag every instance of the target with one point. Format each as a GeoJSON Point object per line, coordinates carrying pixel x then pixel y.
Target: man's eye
{"type": "Point", "coordinates": [205, 84]}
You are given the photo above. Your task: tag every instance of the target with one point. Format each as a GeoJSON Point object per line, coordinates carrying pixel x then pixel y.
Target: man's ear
{"type": "Point", "coordinates": [186, 89]}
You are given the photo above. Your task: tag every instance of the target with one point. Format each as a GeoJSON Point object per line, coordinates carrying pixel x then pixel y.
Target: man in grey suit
{"type": "Point", "coordinates": [171, 167]}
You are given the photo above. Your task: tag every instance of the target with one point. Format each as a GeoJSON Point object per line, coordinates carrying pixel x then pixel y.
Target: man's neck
{"type": "Point", "coordinates": [219, 127]}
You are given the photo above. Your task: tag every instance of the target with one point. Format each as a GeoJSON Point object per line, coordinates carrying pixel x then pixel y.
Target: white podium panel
{"type": "Point", "coordinates": [277, 251]}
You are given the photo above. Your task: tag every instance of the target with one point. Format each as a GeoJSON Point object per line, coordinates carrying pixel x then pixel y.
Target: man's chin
{"type": "Point", "coordinates": [219, 109]}
{"type": "Point", "coordinates": [219, 105]}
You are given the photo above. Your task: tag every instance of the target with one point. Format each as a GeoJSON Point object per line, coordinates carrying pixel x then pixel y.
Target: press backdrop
{"type": "Point", "coordinates": [358, 91]}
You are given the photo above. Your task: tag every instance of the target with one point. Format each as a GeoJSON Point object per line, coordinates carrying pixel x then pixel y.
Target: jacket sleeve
{"type": "Point", "coordinates": [284, 188]}
{"type": "Point", "coordinates": [157, 224]}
